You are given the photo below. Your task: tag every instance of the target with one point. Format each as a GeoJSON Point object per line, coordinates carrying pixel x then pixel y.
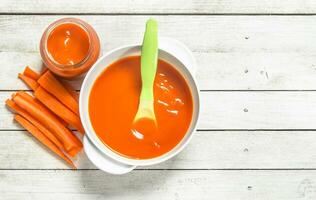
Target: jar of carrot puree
{"type": "Point", "coordinates": [69, 47]}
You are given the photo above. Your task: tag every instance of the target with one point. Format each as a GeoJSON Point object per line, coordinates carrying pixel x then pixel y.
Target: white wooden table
{"type": "Point", "coordinates": [257, 70]}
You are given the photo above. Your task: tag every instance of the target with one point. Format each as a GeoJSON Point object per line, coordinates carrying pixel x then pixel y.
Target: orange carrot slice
{"type": "Point", "coordinates": [15, 108]}
{"type": "Point", "coordinates": [42, 138]}
{"type": "Point", "coordinates": [73, 152]}
{"type": "Point", "coordinates": [31, 83]}
{"type": "Point", "coordinates": [70, 89]}
{"type": "Point", "coordinates": [58, 108]}
{"type": "Point", "coordinates": [69, 141]}
{"type": "Point", "coordinates": [39, 105]}
{"type": "Point", "coordinates": [31, 73]}
{"type": "Point", "coordinates": [44, 70]}
{"type": "Point", "coordinates": [53, 86]}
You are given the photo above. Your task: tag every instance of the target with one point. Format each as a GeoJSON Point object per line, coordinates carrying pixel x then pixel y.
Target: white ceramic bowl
{"type": "Point", "coordinates": [105, 159]}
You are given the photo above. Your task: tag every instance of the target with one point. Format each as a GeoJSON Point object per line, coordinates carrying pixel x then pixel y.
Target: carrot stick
{"type": "Point", "coordinates": [31, 83]}
{"type": "Point", "coordinates": [73, 152]}
{"type": "Point", "coordinates": [39, 105]}
{"type": "Point", "coordinates": [43, 71]}
{"type": "Point", "coordinates": [37, 124]}
{"type": "Point", "coordinates": [69, 141]}
{"type": "Point", "coordinates": [58, 108]}
{"type": "Point", "coordinates": [53, 86]}
{"type": "Point", "coordinates": [31, 73]}
{"type": "Point", "coordinates": [70, 89]}
{"type": "Point", "coordinates": [42, 138]}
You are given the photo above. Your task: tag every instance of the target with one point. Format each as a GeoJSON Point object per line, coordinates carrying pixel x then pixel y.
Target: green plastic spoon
{"type": "Point", "coordinates": [149, 58]}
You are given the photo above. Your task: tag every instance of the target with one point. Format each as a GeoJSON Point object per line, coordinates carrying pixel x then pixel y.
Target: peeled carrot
{"type": "Point", "coordinates": [43, 71]}
{"type": "Point", "coordinates": [35, 76]}
{"type": "Point", "coordinates": [73, 152]}
{"type": "Point", "coordinates": [32, 99]}
{"type": "Point", "coordinates": [70, 89]}
{"type": "Point", "coordinates": [31, 73]}
{"type": "Point", "coordinates": [38, 104]}
{"type": "Point", "coordinates": [53, 86]}
{"type": "Point", "coordinates": [42, 138]}
{"type": "Point", "coordinates": [31, 83]}
{"type": "Point", "coordinates": [58, 108]}
{"type": "Point", "coordinates": [15, 108]}
{"type": "Point", "coordinates": [70, 142]}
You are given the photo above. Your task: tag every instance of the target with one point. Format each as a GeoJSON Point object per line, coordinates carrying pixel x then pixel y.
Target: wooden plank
{"type": "Point", "coordinates": [258, 110]}
{"type": "Point", "coordinates": [207, 150]}
{"type": "Point", "coordinates": [158, 6]}
{"type": "Point", "coordinates": [226, 60]}
{"type": "Point", "coordinates": [156, 185]}
{"type": "Point", "coordinates": [236, 110]}
{"type": "Point", "coordinates": [216, 71]}
{"type": "Point", "coordinates": [233, 34]}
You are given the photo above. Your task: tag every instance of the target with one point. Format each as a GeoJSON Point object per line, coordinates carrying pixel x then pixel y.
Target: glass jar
{"type": "Point", "coordinates": [69, 47]}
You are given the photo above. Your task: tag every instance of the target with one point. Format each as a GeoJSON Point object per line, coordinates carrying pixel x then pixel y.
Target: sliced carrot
{"type": "Point", "coordinates": [31, 83]}
{"type": "Point", "coordinates": [73, 152]}
{"type": "Point", "coordinates": [58, 108]}
{"type": "Point", "coordinates": [69, 141]}
{"type": "Point", "coordinates": [44, 109]}
{"type": "Point", "coordinates": [13, 95]}
{"type": "Point", "coordinates": [53, 86]}
{"type": "Point", "coordinates": [38, 104]}
{"type": "Point", "coordinates": [70, 89]}
{"type": "Point", "coordinates": [31, 73]}
{"type": "Point", "coordinates": [44, 70]}
{"type": "Point", "coordinates": [42, 138]}
{"type": "Point", "coordinates": [15, 108]}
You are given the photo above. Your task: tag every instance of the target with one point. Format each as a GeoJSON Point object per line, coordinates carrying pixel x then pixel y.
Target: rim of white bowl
{"type": "Point", "coordinates": [90, 133]}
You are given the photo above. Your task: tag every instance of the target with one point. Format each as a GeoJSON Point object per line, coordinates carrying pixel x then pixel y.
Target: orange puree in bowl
{"type": "Point", "coordinates": [113, 103]}
{"type": "Point", "coordinates": [68, 44]}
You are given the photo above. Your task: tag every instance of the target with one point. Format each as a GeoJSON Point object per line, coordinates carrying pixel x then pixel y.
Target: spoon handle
{"type": "Point", "coordinates": [149, 60]}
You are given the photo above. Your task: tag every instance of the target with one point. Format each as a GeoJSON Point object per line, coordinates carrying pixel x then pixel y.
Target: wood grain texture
{"type": "Point", "coordinates": [158, 6]}
{"type": "Point", "coordinates": [226, 59]}
{"type": "Point", "coordinates": [156, 185]}
{"type": "Point", "coordinates": [233, 52]}
{"type": "Point", "coordinates": [231, 34]}
{"type": "Point", "coordinates": [216, 71]}
{"type": "Point", "coordinates": [236, 110]}
{"type": "Point", "coordinates": [207, 150]}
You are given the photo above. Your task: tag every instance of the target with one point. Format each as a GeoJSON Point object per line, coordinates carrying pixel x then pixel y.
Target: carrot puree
{"type": "Point", "coordinates": [113, 103]}
{"type": "Point", "coordinates": [68, 44]}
